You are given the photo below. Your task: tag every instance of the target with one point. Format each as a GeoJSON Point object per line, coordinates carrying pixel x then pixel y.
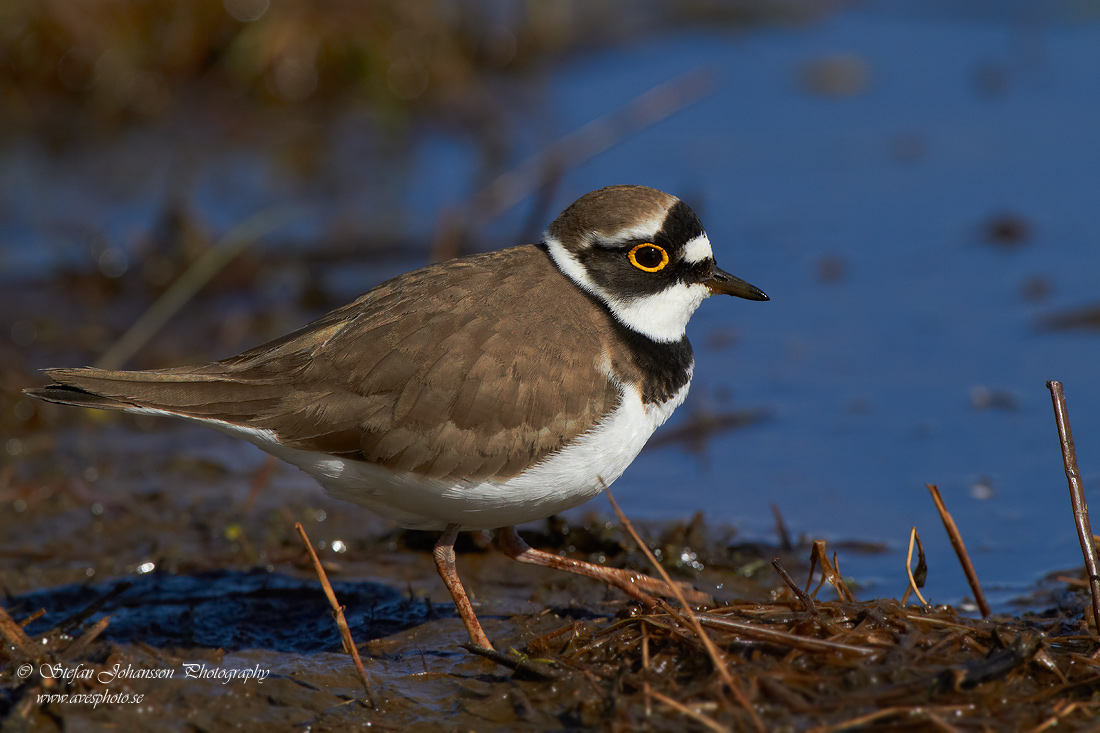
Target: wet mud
{"type": "Point", "coordinates": [174, 573]}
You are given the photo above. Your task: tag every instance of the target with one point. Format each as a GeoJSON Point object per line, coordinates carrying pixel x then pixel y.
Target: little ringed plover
{"type": "Point", "coordinates": [478, 393]}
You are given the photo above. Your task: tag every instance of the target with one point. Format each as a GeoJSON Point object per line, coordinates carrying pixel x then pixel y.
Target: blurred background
{"type": "Point", "coordinates": [915, 184]}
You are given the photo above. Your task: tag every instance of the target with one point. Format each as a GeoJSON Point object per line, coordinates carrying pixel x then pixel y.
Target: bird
{"type": "Point", "coordinates": [474, 394]}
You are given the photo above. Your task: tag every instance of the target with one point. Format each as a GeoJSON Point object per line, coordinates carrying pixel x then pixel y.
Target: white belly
{"type": "Point", "coordinates": [561, 481]}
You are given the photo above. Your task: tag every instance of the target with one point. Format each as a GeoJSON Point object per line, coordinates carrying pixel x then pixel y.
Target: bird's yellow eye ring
{"type": "Point", "coordinates": [648, 257]}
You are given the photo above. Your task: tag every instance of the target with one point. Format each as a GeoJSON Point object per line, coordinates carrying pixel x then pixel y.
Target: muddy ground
{"type": "Point", "coordinates": [203, 572]}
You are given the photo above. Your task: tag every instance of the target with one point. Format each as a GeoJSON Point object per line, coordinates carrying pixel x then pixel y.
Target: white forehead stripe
{"type": "Point", "coordinates": [645, 229]}
{"type": "Point", "coordinates": [698, 249]}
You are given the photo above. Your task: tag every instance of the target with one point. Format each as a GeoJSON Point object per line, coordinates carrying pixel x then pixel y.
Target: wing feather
{"type": "Point", "coordinates": [441, 372]}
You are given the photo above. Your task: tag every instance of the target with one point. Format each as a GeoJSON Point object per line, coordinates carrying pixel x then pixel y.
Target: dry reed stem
{"type": "Point", "coordinates": [78, 646]}
{"type": "Point", "coordinates": [781, 529]}
{"type": "Point", "coordinates": [830, 572]}
{"type": "Point", "coordinates": [795, 641]}
{"type": "Point", "coordinates": [341, 622]}
{"type": "Point", "coordinates": [909, 567]}
{"type": "Point", "coordinates": [188, 284]}
{"type": "Point", "coordinates": [960, 550]}
{"type": "Point", "coordinates": [1077, 496]}
{"type": "Point", "coordinates": [646, 109]}
{"type": "Point", "coordinates": [15, 635]}
{"type": "Point", "coordinates": [715, 655]}
{"type": "Point", "coordinates": [1061, 710]}
{"type": "Point", "coordinates": [32, 618]}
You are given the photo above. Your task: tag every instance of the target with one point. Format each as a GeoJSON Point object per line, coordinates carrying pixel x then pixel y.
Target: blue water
{"type": "Point", "coordinates": [963, 115]}
{"type": "Point", "coordinates": [869, 378]}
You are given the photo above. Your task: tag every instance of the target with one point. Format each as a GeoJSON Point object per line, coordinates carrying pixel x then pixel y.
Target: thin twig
{"type": "Point", "coordinates": [1077, 496]}
{"type": "Point", "coordinates": [78, 646]}
{"type": "Point", "coordinates": [341, 622]}
{"type": "Point", "coordinates": [190, 282]}
{"type": "Point", "coordinates": [261, 480]}
{"type": "Point", "coordinates": [785, 543]}
{"type": "Point", "coordinates": [920, 713]}
{"type": "Point", "coordinates": [715, 655]}
{"type": "Point", "coordinates": [595, 137]}
{"type": "Point", "coordinates": [91, 609]}
{"type": "Point", "coordinates": [677, 626]}
{"type": "Point", "coordinates": [515, 663]}
{"type": "Point", "coordinates": [706, 721]}
{"type": "Point", "coordinates": [960, 550]}
{"type": "Point", "coordinates": [942, 623]}
{"type": "Point", "coordinates": [802, 595]}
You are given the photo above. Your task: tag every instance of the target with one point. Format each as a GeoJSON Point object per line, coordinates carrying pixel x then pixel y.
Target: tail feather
{"type": "Point", "coordinates": [66, 395]}
{"type": "Point", "coordinates": [177, 391]}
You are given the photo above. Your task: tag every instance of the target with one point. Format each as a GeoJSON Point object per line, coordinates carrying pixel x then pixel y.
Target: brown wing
{"type": "Point", "coordinates": [444, 372]}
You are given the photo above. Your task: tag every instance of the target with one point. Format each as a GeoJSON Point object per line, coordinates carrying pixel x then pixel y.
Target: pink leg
{"type": "Point", "coordinates": [635, 585]}
{"type": "Point", "coordinates": [444, 554]}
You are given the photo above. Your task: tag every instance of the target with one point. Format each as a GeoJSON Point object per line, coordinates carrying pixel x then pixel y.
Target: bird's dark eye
{"type": "Point", "coordinates": [648, 257]}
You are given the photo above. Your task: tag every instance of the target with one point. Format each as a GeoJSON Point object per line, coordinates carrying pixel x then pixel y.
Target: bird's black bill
{"type": "Point", "coordinates": [723, 283]}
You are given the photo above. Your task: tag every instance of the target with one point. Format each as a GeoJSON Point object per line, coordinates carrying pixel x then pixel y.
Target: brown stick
{"type": "Point", "coordinates": [89, 636]}
{"type": "Point", "coordinates": [715, 655]}
{"type": "Point", "coordinates": [341, 622]}
{"type": "Point", "coordinates": [960, 550]}
{"type": "Point", "coordinates": [1077, 496]}
{"type": "Point", "coordinates": [15, 635]}
{"type": "Point", "coordinates": [806, 599]}
{"type": "Point", "coordinates": [32, 618]}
